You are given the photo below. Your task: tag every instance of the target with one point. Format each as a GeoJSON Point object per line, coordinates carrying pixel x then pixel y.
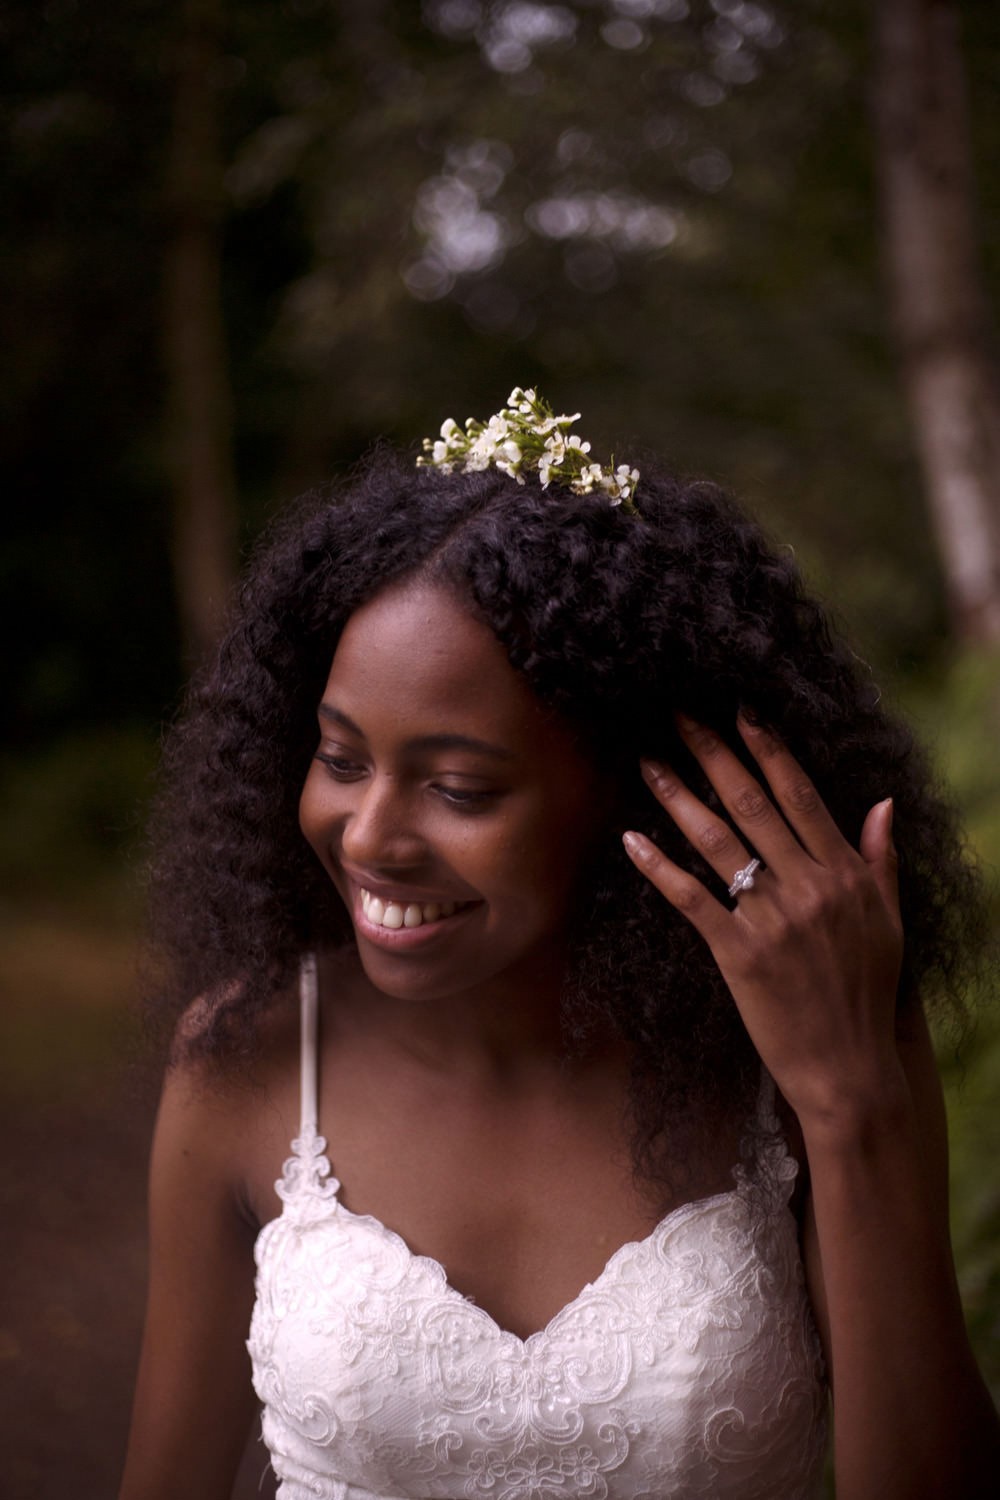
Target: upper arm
{"type": "Point", "coordinates": [916, 1053]}
{"type": "Point", "coordinates": [194, 1401]}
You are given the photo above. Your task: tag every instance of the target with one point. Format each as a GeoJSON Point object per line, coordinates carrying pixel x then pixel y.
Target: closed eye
{"type": "Point", "coordinates": [340, 767]}
{"type": "Point", "coordinates": [464, 797]}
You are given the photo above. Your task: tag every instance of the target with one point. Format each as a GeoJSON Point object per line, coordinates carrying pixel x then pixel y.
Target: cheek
{"type": "Point", "coordinates": [550, 856]}
{"type": "Point", "coordinates": [314, 809]}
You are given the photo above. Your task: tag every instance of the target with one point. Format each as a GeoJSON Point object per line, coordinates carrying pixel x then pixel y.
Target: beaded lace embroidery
{"type": "Point", "coordinates": [688, 1368]}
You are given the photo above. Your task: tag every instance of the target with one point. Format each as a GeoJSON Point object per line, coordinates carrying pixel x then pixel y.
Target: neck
{"type": "Point", "coordinates": [502, 1029]}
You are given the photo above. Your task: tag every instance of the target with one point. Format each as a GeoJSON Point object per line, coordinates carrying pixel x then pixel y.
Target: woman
{"type": "Point", "coordinates": [542, 1005]}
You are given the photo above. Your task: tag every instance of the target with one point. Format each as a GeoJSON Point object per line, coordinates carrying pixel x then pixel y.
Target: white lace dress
{"type": "Point", "coordinates": [690, 1367]}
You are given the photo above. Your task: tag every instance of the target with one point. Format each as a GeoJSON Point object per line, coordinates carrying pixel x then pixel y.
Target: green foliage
{"type": "Point", "coordinates": [959, 713]}
{"type": "Point", "coordinates": [973, 1097]}
{"type": "Point", "coordinates": [72, 819]}
{"type": "Point", "coordinates": [658, 218]}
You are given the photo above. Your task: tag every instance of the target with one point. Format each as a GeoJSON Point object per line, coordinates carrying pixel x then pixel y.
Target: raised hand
{"type": "Point", "coordinates": [812, 949]}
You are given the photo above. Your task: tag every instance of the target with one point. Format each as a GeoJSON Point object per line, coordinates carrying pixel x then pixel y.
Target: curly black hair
{"type": "Point", "coordinates": [617, 620]}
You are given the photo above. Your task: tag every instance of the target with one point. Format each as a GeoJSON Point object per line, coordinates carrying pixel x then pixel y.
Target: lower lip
{"type": "Point", "coordinates": [407, 937]}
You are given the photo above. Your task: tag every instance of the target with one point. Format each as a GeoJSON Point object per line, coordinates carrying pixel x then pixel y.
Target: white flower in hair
{"type": "Point", "coordinates": [527, 437]}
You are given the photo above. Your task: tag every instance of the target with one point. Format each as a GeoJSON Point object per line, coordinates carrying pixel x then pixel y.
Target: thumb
{"type": "Point", "coordinates": [879, 852]}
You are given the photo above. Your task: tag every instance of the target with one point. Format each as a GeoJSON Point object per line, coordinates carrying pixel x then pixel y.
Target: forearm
{"type": "Point", "coordinates": [812, 956]}
{"type": "Point", "coordinates": [912, 1418]}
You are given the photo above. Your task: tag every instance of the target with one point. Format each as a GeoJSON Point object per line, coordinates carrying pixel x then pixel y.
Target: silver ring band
{"type": "Point", "coordinates": [743, 879]}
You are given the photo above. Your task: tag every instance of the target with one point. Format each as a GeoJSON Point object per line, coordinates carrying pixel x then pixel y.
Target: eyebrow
{"type": "Point", "coordinates": [424, 741]}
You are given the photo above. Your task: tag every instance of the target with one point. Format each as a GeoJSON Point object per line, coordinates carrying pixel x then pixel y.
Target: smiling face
{"type": "Point", "coordinates": [450, 809]}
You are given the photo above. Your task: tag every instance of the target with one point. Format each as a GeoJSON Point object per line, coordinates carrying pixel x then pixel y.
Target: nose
{"type": "Point", "coordinates": [379, 832]}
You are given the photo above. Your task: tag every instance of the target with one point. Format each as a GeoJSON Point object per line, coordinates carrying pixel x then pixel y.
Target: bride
{"type": "Point", "coordinates": [535, 858]}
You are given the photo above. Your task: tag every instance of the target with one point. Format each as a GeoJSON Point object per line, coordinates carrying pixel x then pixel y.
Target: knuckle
{"type": "Point", "coordinates": [757, 959]}
{"type": "Point", "coordinates": [666, 787]}
{"type": "Point", "coordinates": [765, 743]}
{"type": "Point", "coordinates": [715, 839]}
{"type": "Point", "coordinates": [756, 964]}
{"type": "Point", "coordinates": [812, 908]}
{"type": "Point", "coordinates": [802, 796]}
{"type": "Point", "coordinates": [821, 902]}
{"type": "Point", "coordinates": [705, 741]}
{"type": "Point", "coordinates": [687, 896]}
{"type": "Point", "coordinates": [856, 883]}
{"type": "Point", "coordinates": [751, 804]}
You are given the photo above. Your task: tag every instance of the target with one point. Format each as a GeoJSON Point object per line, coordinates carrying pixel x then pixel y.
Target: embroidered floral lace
{"type": "Point", "coordinates": [689, 1368]}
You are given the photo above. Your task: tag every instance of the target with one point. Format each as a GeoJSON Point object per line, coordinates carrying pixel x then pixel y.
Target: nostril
{"type": "Point", "coordinates": [385, 845]}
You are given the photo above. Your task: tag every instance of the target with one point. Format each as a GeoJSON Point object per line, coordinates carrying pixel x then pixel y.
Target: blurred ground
{"type": "Point", "coordinates": [75, 1118]}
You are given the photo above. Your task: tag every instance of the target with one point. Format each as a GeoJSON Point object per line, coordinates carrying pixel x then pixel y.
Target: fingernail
{"type": "Point", "coordinates": [685, 721]}
{"type": "Point", "coordinates": [653, 770]}
{"type": "Point", "coordinates": [749, 716]}
{"type": "Point", "coordinates": [635, 846]}
{"type": "Point", "coordinates": [889, 809]}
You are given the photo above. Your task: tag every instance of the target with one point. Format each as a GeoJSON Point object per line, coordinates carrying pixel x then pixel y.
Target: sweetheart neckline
{"type": "Point", "coordinates": [448, 1289]}
{"type": "Point", "coordinates": [309, 1152]}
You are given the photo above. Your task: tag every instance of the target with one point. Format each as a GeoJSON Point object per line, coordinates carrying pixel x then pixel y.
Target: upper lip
{"type": "Point", "coordinates": [386, 892]}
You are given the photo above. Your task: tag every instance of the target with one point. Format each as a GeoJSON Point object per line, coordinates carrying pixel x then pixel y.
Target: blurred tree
{"type": "Point", "coordinates": [196, 358]}
{"type": "Point", "coordinates": [659, 210]}
{"type": "Point", "coordinates": [84, 577]}
{"type": "Point", "coordinates": [941, 310]}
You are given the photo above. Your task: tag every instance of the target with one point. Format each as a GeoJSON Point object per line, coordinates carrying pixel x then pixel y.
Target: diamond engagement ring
{"type": "Point", "coordinates": [743, 879]}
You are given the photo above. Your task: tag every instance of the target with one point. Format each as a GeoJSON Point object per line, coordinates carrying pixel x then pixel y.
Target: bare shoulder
{"type": "Point", "coordinates": [227, 1126]}
{"type": "Point", "coordinates": [218, 1136]}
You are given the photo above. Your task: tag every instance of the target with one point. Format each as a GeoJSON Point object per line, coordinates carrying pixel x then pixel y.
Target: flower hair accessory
{"type": "Point", "coordinates": [527, 437]}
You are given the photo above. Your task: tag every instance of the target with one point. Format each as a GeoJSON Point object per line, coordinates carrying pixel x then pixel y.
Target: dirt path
{"type": "Point", "coordinates": [75, 1120]}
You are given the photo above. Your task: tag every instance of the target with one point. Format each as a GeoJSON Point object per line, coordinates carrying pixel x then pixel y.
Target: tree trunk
{"type": "Point", "coordinates": [937, 296]}
{"type": "Point", "coordinates": [200, 406]}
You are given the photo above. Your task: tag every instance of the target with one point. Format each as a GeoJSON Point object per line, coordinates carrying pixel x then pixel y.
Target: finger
{"type": "Point", "coordinates": [879, 853]}
{"type": "Point", "coordinates": [795, 794]}
{"type": "Point", "coordinates": [705, 831]}
{"type": "Point", "coordinates": [686, 894]}
{"type": "Point", "coordinates": [743, 797]}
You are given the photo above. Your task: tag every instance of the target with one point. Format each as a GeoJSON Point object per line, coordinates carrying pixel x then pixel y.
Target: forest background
{"type": "Point", "coordinates": [242, 241]}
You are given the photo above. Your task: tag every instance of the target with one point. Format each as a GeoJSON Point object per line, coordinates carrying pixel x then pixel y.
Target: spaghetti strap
{"type": "Point", "coordinates": [307, 1184]}
{"type": "Point", "coordinates": [308, 1042]}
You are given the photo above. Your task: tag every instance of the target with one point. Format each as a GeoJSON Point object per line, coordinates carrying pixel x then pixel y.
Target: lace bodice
{"type": "Point", "coordinates": [689, 1368]}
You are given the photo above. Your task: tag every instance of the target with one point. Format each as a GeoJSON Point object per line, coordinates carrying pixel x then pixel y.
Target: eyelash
{"type": "Point", "coordinates": [469, 801]}
{"type": "Point", "coordinates": [339, 767]}
{"type": "Point", "coordinates": [344, 770]}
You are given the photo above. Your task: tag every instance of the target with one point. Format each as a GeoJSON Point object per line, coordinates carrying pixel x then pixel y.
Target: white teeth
{"type": "Point", "coordinates": [394, 914]}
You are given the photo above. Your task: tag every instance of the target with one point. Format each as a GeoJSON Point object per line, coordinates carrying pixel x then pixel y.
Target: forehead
{"type": "Point", "coordinates": [415, 656]}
